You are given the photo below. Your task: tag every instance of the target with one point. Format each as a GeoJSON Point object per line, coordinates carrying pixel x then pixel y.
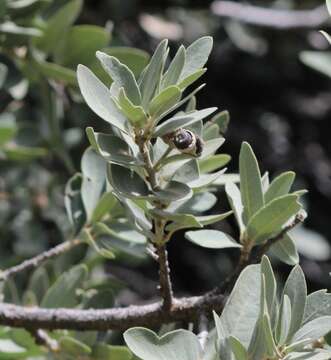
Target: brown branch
{"type": "Point", "coordinates": [272, 18]}
{"type": "Point", "coordinates": [37, 260]}
{"type": "Point", "coordinates": [188, 309]}
{"type": "Point", "coordinates": [164, 276]}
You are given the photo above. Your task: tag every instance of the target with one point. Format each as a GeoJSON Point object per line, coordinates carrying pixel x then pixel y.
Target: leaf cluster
{"type": "Point", "coordinates": [256, 323]}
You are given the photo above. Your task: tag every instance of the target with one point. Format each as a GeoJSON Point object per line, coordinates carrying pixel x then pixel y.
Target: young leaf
{"type": "Point", "coordinates": [135, 59]}
{"type": "Point", "coordinates": [268, 335]}
{"type": "Point", "coordinates": [180, 103]}
{"type": "Point", "coordinates": [178, 344]}
{"type": "Point", "coordinates": [94, 180]}
{"type": "Point", "coordinates": [135, 114]}
{"type": "Point", "coordinates": [179, 221]}
{"type": "Point", "coordinates": [211, 239]}
{"type": "Point", "coordinates": [179, 121]}
{"type": "Point", "coordinates": [111, 147]}
{"type": "Point", "coordinates": [234, 199]}
{"type": "Point", "coordinates": [97, 97]}
{"type": "Point", "coordinates": [126, 182]}
{"type": "Point", "coordinates": [270, 286]}
{"type": "Point", "coordinates": [205, 180]}
{"type": "Point", "coordinates": [191, 79]}
{"type": "Point", "coordinates": [238, 349]}
{"type": "Point", "coordinates": [314, 329]}
{"type": "Point", "coordinates": [211, 131]}
{"type": "Point", "coordinates": [213, 162]}
{"type": "Point", "coordinates": [222, 119]}
{"type": "Point", "coordinates": [196, 56]}
{"type": "Point", "coordinates": [318, 305]}
{"type": "Point", "coordinates": [151, 77]}
{"type": "Point", "coordinates": [269, 220]}
{"type": "Point", "coordinates": [63, 292]}
{"type": "Point", "coordinates": [211, 146]}
{"type": "Point", "coordinates": [280, 186]}
{"type": "Point", "coordinates": [296, 289]}
{"type": "Point", "coordinates": [286, 251]}
{"type": "Point", "coordinates": [164, 101]}
{"type": "Point", "coordinates": [284, 321]}
{"type": "Point", "coordinates": [250, 182]}
{"type": "Point", "coordinates": [122, 76]}
{"type": "Point", "coordinates": [212, 219]}
{"type": "Point", "coordinates": [175, 68]}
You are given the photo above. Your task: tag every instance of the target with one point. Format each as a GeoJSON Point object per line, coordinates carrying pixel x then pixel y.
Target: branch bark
{"type": "Point", "coordinates": [188, 309]}
{"type": "Point", "coordinates": [164, 276]}
{"type": "Point", "coordinates": [272, 18]}
{"type": "Point", "coordinates": [37, 260]}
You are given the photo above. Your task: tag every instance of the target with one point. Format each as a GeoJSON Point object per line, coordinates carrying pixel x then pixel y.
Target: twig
{"type": "Point", "coordinates": [42, 338]}
{"type": "Point", "coordinates": [37, 260]}
{"type": "Point", "coordinates": [272, 18]}
{"type": "Point", "coordinates": [242, 263]}
{"type": "Point", "coordinates": [164, 276]}
{"type": "Point", "coordinates": [144, 151]}
{"type": "Point", "coordinates": [203, 331]}
{"type": "Point", "coordinates": [165, 285]}
{"type": "Point", "coordinates": [263, 249]}
{"type": "Point", "coordinates": [184, 309]}
{"type": "Point", "coordinates": [246, 257]}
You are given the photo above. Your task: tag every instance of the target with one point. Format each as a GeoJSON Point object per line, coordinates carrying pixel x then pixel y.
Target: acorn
{"type": "Point", "coordinates": [185, 141]}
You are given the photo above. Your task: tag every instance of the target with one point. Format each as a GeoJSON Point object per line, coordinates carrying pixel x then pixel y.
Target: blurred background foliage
{"type": "Point", "coordinates": [277, 103]}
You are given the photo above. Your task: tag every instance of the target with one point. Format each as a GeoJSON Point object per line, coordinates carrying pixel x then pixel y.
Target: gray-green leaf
{"type": "Point", "coordinates": [176, 345]}
{"type": "Point", "coordinates": [280, 186]}
{"type": "Point", "coordinates": [151, 76]}
{"type": "Point", "coordinates": [179, 121]}
{"type": "Point", "coordinates": [269, 220]}
{"type": "Point", "coordinates": [121, 75]}
{"type": "Point", "coordinates": [285, 250]}
{"type": "Point", "coordinates": [250, 182]}
{"type": "Point", "coordinates": [212, 239]}
{"type": "Point", "coordinates": [97, 97]}
{"type": "Point", "coordinates": [62, 294]}
{"type": "Point", "coordinates": [296, 289]}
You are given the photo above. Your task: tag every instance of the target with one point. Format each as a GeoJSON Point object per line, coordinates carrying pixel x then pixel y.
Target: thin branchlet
{"type": "Point", "coordinates": [165, 285]}
{"type": "Point", "coordinates": [39, 259]}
